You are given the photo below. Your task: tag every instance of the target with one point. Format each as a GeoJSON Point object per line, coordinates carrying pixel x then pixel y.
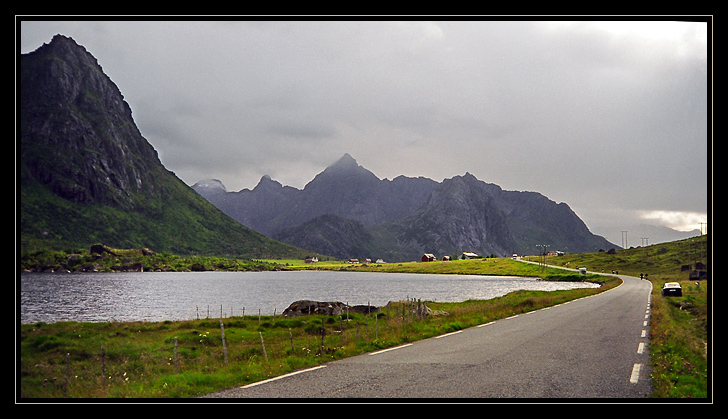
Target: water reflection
{"type": "Point", "coordinates": [186, 295]}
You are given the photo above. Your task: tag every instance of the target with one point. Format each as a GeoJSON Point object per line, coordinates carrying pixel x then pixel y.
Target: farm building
{"type": "Point", "coordinates": [469, 255]}
{"type": "Point", "coordinates": [428, 257]}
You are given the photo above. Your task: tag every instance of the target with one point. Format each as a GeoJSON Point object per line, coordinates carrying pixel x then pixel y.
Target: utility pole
{"type": "Point", "coordinates": [542, 255]}
{"type": "Point", "coordinates": [624, 239]}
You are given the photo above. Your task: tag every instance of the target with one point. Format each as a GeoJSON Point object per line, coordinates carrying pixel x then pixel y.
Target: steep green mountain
{"type": "Point", "coordinates": [87, 175]}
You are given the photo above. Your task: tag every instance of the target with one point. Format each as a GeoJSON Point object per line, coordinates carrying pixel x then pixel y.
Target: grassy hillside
{"type": "Point", "coordinates": [184, 226]}
{"type": "Point", "coordinates": [661, 262]}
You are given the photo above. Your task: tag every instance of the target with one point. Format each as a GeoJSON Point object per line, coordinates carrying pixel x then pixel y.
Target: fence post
{"type": "Point", "coordinates": [341, 326]}
{"type": "Point", "coordinates": [376, 327]}
{"type": "Point", "coordinates": [224, 348]}
{"type": "Point", "coordinates": [175, 355]}
{"type": "Point", "coordinates": [65, 383]}
{"type": "Point", "coordinates": [322, 335]}
{"type": "Point", "coordinates": [103, 371]}
{"type": "Point", "coordinates": [262, 343]}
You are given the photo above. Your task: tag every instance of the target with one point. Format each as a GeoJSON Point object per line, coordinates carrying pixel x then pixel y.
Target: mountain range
{"type": "Point", "coordinates": [348, 212]}
{"type": "Point", "coordinates": [87, 175]}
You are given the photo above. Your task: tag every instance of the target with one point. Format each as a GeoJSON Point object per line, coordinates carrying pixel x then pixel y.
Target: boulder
{"type": "Point", "coordinates": [101, 249]}
{"type": "Point", "coordinates": [329, 308]}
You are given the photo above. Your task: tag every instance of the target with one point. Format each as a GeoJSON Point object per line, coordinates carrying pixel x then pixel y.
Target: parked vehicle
{"type": "Point", "coordinates": [582, 271]}
{"type": "Point", "coordinates": [671, 289]}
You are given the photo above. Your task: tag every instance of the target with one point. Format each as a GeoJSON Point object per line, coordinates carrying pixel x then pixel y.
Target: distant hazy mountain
{"type": "Point", "coordinates": [87, 175]}
{"type": "Point", "coordinates": [348, 212]}
{"type": "Point", "coordinates": [652, 234]}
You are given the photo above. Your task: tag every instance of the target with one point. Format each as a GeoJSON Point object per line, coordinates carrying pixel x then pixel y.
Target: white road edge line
{"type": "Point", "coordinates": [635, 373]}
{"type": "Point", "coordinates": [448, 334]}
{"type": "Point", "coordinates": [282, 376]}
{"type": "Point", "coordinates": [486, 324]}
{"type": "Point", "coordinates": [641, 348]}
{"type": "Point", "coordinates": [390, 349]}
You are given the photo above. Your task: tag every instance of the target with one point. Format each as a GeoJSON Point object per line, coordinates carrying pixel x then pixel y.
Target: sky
{"type": "Point", "coordinates": [610, 117]}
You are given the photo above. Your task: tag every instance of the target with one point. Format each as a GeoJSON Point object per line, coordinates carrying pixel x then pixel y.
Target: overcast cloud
{"type": "Point", "coordinates": [609, 118]}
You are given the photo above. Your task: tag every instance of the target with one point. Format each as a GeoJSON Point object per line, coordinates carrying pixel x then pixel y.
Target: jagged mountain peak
{"type": "Point", "coordinates": [347, 165]}
{"type": "Point", "coordinates": [346, 173]}
{"type": "Point", "coordinates": [345, 162]}
{"type": "Point", "coordinates": [267, 183]}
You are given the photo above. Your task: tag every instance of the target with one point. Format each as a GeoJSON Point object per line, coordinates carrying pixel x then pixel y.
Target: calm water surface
{"type": "Point", "coordinates": [185, 295]}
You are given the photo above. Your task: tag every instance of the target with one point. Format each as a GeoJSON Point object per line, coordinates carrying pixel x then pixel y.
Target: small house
{"type": "Point", "coordinates": [353, 260]}
{"type": "Point", "coordinates": [428, 257]}
{"type": "Point", "coordinates": [469, 255]}
{"type": "Point", "coordinates": [445, 258]}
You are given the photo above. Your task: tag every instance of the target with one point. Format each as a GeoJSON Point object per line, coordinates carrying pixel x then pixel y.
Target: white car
{"type": "Point", "coordinates": [672, 289]}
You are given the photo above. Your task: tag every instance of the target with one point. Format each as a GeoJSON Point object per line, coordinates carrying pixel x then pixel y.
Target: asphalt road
{"type": "Point", "coordinates": [595, 347]}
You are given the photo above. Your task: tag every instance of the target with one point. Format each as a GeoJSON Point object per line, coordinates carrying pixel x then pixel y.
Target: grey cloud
{"type": "Point", "coordinates": [599, 119]}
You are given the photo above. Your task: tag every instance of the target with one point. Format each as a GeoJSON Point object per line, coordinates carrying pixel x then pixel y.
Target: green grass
{"type": "Point", "coordinates": [679, 343]}
{"type": "Point", "coordinates": [488, 266]}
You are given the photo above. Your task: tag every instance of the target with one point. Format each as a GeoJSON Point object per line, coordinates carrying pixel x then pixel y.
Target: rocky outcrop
{"type": "Point", "coordinates": [101, 249]}
{"type": "Point", "coordinates": [329, 308]}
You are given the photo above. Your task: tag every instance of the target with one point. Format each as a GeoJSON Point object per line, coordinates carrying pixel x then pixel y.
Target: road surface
{"type": "Point", "coordinates": [595, 347]}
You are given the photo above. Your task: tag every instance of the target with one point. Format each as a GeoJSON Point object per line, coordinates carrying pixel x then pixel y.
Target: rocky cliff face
{"type": "Point", "coordinates": [77, 133]}
{"type": "Point", "coordinates": [461, 214]}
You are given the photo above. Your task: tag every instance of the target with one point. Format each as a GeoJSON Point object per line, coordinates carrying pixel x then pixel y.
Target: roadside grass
{"type": "Point", "coordinates": [679, 342]}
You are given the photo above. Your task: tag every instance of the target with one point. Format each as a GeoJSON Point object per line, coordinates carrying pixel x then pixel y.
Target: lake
{"type": "Point", "coordinates": [148, 296]}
